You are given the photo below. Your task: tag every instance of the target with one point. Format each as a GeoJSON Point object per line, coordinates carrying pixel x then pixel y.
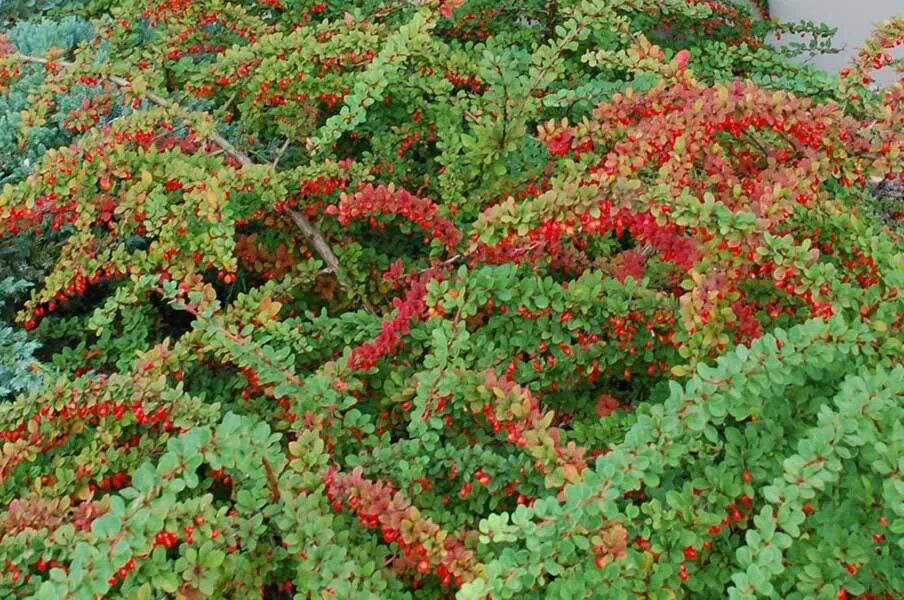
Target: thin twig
{"type": "Point", "coordinates": [281, 152]}
{"type": "Point", "coordinates": [272, 482]}
{"type": "Point", "coordinates": [449, 261]}
{"type": "Point", "coordinates": [756, 142]}
{"type": "Point", "coordinates": [226, 105]}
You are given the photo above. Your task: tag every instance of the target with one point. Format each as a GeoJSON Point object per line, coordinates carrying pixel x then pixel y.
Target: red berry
{"type": "Point", "coordinates": [465, 490]}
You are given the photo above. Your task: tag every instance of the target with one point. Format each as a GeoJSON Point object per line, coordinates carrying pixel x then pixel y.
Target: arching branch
{"type": "Point", "coordinates": [310, 232]}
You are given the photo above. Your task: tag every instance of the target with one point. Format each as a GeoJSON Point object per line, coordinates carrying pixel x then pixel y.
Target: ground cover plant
{"type": "Point", "coordinates": [446, 299]}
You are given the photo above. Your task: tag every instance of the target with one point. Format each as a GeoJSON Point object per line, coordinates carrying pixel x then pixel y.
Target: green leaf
{"type": "Point", "coordinates": [107, 526]}
{"type": "Point", "coordinates": [213, 559]}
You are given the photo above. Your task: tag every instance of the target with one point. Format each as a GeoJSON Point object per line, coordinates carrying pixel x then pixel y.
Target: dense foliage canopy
{"type": "Point", "coordinates": [446, 298]}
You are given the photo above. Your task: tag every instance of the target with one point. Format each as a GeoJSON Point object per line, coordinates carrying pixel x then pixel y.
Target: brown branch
{"type": "Point", "coordinates": [271, 480]}
{"type": "Point", "coordinates": [308, 230]}
{"type": "Point", "coordinates": [315, 239]}
{"type": "Point", "coordinates": [756, 142]}
{"type": "Point", "coordinates": [281, 152]}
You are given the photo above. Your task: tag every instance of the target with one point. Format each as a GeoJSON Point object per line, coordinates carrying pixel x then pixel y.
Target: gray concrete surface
{"type": "Point", "coordinates": [854, 19]}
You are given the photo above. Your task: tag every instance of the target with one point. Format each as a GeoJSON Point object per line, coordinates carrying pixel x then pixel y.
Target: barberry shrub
{"type": "Point", "coordinates": [452, 298]}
